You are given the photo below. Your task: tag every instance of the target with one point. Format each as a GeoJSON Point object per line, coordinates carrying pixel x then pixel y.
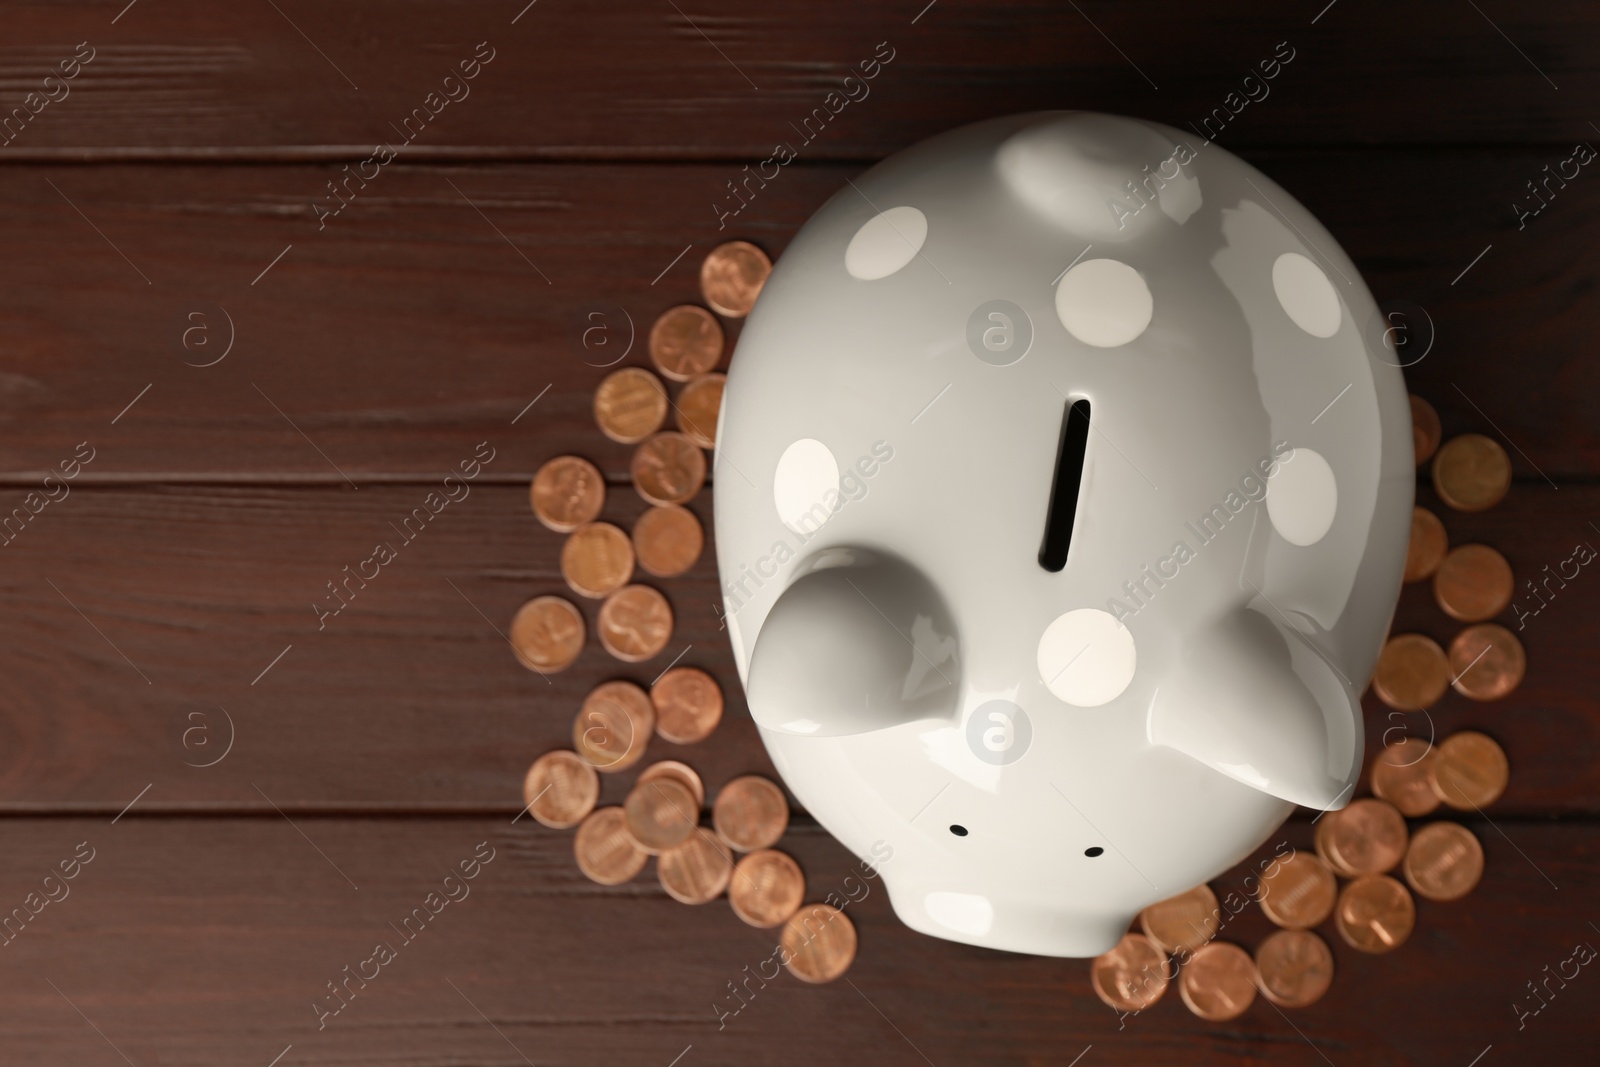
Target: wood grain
{"type": "Point", "coordinates": [409, 329]}
{"type": "Point", "coordinates": [213, 953]}
{"type": "Point", "coordinates": [642, 80]}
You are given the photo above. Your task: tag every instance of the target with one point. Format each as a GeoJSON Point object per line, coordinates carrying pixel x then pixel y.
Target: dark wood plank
{"type": "Point", "coordinates": [409, 700]}
{"type": "Point", "coordinates": [716, 79]}
{"type": "Point", "coordinates": [207, 940]}
{"type": "Point", "coordinates": [408, 330]}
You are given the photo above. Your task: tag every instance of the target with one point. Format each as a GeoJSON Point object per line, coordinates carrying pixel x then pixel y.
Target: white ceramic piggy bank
{"type": "Point", "coordinates": [1063, 489]}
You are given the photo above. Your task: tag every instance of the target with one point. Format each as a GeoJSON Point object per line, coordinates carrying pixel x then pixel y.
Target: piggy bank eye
{"type": "Point", "coordinates": [958, 829]}
{"type": "Point", "coordinates": [1094, 850]}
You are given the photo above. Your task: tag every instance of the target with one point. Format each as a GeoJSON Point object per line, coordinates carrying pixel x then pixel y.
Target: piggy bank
{"type": "Point", "coordinates": [1063, 488]}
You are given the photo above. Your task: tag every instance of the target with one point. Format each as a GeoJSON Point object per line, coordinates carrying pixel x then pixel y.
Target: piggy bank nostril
{"type": "Point", "coordinates": [1094, 850]}
{"type": "Point", "coordinates": [958, 829]}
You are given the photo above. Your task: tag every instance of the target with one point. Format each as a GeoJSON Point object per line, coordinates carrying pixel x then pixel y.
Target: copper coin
{"type": "Point", "coordinates": [732, 276]}
{"type": "Point", "coordinates": [696, 871]}
{"type": "Point", "coordinates": [1219, 982]}
{"type": "Point", "coordinates": [1487, 661]}
{"type": "Point", "coordinates": [698, 406]}
{"type": "Point", "coordinates": [1299, 893]}
{"type": "Point", "coordinates": [597, 559]}
{"type": "Point", "coordinates": [751, 813]}
{"type": "Point", "coordinates": [681, 772]}
{"type": "Point", "coordinates": [1132, 976]}
{"type": "Point", "coordinates": [1181, 924]}
{"type": "Point", "coordinates": [1471, 771]}
{"type": "Point", "coordinates": [1400, 775]}
{"type": "Point", "coordinates": [567, 492]}
{"type": "Point", "coordinates": [1444, 861]}
{"type": "Point", "coordinates": [688, 705]}
{"type": "Point", "coordinates": [661, 813]}
{"type": "Point", "coordinates": [1427, 547]}
{"type": "Point", "coordinates": [767, 888]}
{"type": "Point", "coordinates": [547, 634]}
{"type": "Point", "coordinates": [1473, 583]}
{"type": "Point", "coordinates": [1471, 472]}
{"type": "Point", "coordinates": [1375, 914]}
{"type": "Point", "coordinates": [818, 943]}
{"type": "Point", "coordinates": [560, 789]}
{"type": "Point", "coordinates": [1369, 837]}
{"type": "Point", "coordinates": [630, 405]}
{"type": "Point", "coordinates": [1425, 430]}
{"type": "Point", "coordinates": [668, 540]}
{"type": "Point", "coordinates": [668, 469]}
{"type": "Point", "coordinates": [1321, 838]}
{"type": "Point", "coordinates": [685, 341]}
{"type": "Point", "coordinates": [1296, 968]}
{"type": "Point", "coordinates": [1412, 673]}
{"type": "Point", "coordinates": [635, 623]}
{"type": "Point", "coordinates": [605, 851]}
{"type": "Point", "coordinates": [614, 725]}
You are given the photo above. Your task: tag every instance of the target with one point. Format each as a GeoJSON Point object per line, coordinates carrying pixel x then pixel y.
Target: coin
{"type": "Point", "coordinates": [1471, 472]}
{"type": "Point", "coordinates": [661, 813]}
{"type": "Point", "coordinates": [1132, 976]}
{"type": "Point", "coordinates": [1321, 839]}
{"type": "Point", "coordinates": [547, 634]}
{"type": "Point", "coordinates": [1400, 775]}
{"type": "Point", "coordinates": [688, 705]}
{"type": "Point", "coordinates": [1299, 892]}
{"type": "Point", "coordinates": [1487, 661]}
{"type": "Point", "coordinates": [668, 540]}
{"type": "Point", "coordinates": [605, 851]}
{"type": "Point", "coordinates": [597, 559]}
{"type": "Point", "coordinates": [1444, 861]}
{"type": "Point", "coordinates": [1181, 924]}
{"type": "Point", "coordinates": [1369, 837]}
{"type": "Point", "coordinates": [1427, 547]}
{"type": "Point", "coordinates": [818, 943]}
{"type": "Point", "coordinates": [560, 789]}
{"type": "Point", "coordinates": [750, 813]}
{"type": "Point", "coordinates": [1473, 583]}
{"type": "Point", "coordinates": [685, 341]}
{"type": "Point", "coordinates": [681, 772]}
{"type": "Point", "coordinates": [567, 492]}
{"type": "Point", "coordinates": [1412, 672]}
{"type": "Point", "coordinates": [1219, 982]}
{"type": "Point", "coordinates": [668, 468]}
{"type": "Point", "coordinates": [732, 276]}
{"type": "Point", "coordinates": [630, 405]}
{"type": "Point", "coordinates": [635, 623]}
{"type": "Point", "coordinates": [696, 871]}
{"type": "Point", "coordinates": [1470, 772]}
{"type": "Point", "coordinates": [1425, 431]}
{"type": "Point", "coordinates": [1375, 914]}
{"type": "Point", "coordinates": [699, 405]}
{"type": "Point", "coordinates": [1296, 968]}
{"type": "Point", "coordinates": [767, 888]}
{"type": "Point", "coordinates": [614, 725]}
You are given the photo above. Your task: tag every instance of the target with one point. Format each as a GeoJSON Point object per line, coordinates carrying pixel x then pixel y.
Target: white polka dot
{"type": "Point", "coordinates": [1306, 294]}
{"type": "Point", "coordinates": [1086, 657]}
{"type": "Point", "coordinates": [1104, 302]}
{"type": "Point", "coordinates": [885, 243]}
{"type": "Point", "coordinates": [807, 473]}
{"type": "Point", "coordinates": [1303, 498]}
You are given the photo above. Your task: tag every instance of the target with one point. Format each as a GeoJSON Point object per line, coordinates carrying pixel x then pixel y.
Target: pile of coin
{"type": "Point", "coordinates": [1364, 842]}
{"type": "Point", "coordinates": [661, 815]}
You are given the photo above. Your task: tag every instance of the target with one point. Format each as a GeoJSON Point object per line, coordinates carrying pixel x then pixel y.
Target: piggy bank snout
{"type": "Point", "coordinates": [854, 646]}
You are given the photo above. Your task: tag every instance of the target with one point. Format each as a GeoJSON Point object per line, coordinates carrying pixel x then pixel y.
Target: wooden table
{"type": "Point", "coordinates": [268, 387]}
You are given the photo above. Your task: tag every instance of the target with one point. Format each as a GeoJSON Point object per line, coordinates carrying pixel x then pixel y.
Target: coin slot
{"type": "Point", "coordinates": [958, 829]}
{"type": "Point", "coordinates": [1094, 850]}
{"type": "Point", "coordinates": [1064, 492]}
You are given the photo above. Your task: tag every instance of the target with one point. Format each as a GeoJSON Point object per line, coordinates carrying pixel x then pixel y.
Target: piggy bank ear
{"type": "Point", "coordinates": [1254, 700]}
{"type": "Point", "coordinates": [857, 642]}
